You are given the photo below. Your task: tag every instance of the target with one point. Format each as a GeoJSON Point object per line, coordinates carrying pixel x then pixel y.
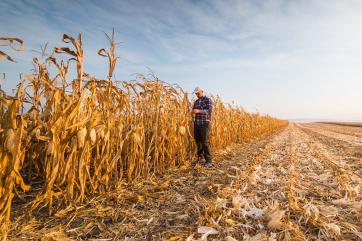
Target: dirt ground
{"type": "Point", "coordinates": [302, 183]}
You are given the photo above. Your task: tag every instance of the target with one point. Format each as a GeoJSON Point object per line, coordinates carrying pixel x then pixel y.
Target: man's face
{"type": "Point", "coordinates": [199, 94]}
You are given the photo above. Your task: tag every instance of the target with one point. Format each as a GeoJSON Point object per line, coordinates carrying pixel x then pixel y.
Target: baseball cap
{"type": "Point", "coordinates": [198, 89]}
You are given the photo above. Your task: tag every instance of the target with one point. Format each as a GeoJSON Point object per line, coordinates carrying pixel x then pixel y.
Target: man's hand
{"type": "Point", "coordinates": [196, 111]}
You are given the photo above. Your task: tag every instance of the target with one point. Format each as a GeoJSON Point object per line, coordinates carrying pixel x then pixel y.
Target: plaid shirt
{"type": "Point", "coordinates": [205, 104]}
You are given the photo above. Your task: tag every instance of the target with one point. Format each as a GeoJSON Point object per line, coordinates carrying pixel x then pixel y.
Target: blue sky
{"type": "Point", "coordinates": [291, 59]}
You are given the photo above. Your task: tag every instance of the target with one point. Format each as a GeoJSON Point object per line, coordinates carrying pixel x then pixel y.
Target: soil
{"type": "Point", "coordinates": [308, 174]}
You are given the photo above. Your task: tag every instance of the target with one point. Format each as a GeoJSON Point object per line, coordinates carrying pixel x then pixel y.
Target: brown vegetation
{"type": "Point", "coordinates": [65, 142]}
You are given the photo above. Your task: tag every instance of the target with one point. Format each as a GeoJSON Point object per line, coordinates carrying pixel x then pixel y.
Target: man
{"type": "Point", "coordinates": [202, 110]}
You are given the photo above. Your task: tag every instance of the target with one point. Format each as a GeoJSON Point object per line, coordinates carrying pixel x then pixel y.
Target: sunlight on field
{"type": "Point", "coordinates": [66, 141]}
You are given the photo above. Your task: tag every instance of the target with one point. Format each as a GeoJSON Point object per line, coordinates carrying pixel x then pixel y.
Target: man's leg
{"type": "Point", "coordinates": [206, 143]}
{"type": "Point", "coordinates": [198, 140]}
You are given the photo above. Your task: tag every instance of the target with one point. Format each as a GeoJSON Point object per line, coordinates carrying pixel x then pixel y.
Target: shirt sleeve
{"type": "Point", "coordinates": [208, 108]}
{"type": "Point", "coordinates": [194, 105]}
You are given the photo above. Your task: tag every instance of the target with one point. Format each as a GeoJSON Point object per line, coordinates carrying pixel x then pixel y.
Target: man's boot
{"type": "Point", "coordinates": [208, 164]}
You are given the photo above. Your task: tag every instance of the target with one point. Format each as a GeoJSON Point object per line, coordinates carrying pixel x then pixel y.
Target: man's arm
{"type": "Point", "coordinates": [194, 111]}
{"type": "Point", "coordinates": [208, 109]}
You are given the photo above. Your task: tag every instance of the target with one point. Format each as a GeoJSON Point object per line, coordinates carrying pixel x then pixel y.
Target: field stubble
{"type": "Point", "coordinates": [292, 185]}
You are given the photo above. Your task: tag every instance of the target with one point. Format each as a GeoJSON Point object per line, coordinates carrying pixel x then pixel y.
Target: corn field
{"type": "Point", "coordinates": [72, 139]}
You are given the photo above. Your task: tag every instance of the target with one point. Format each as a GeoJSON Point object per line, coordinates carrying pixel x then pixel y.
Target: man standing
{"type": "Point", "coordinates": [202, 110]}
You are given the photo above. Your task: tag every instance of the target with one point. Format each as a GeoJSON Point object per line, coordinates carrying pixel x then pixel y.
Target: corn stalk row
{"type": "Point", "coordinates": [86, 136]}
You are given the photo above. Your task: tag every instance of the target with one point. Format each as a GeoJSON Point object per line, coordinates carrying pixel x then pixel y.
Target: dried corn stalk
{"type": "Point", "coordinates": [10, 41]}
{"type": "Point", "coordinates": [86, 138]}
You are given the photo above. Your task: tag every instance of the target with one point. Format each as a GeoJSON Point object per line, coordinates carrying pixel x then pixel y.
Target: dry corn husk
{"type": "Point", "coordinates": [81, 135]}
{"type": "Point", "coordinates": [229, 238]}
{"type": "Point", "coordinates": [259, 237]}
{"type": "Point", "coordinates": [74, 143]}
{"type": "Point", "coordinates": [206, 231]}
{"type": "Point", "coordinates": [230, 221]}
{"type": "Point", "coordinates": [101, 134]}
{"type": "Point", "coordinates": [182, 130]}
{"type": "Point", "coordinates": [50, 148]}
{"type": "Point", "coordinates": [275, 219]}
{"type": "Point", "coordinates": [253, 179]}
{"type": "Point", "coordinates": [237, 202]}
{"type": "Point", "coordinates": [120, 130]}
{"type": "Point", "coordinates": [136, 137]}
{"type": "Point", "coordinates": [10, 141]}
{"type": "Point", "coordinates": [311, 211]}
{"type": "Point", "coordinates": [347, 203]}
{"type": "Point", "coordinates": [93, 136]}
{"type": "Point", "coordinates": [334, 228]}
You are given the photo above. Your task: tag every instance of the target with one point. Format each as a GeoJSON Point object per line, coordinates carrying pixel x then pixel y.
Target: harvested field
{"type": "Point", "coordinates": [300, 183]}
{"type": "Point", "coordinates": [343, 129]}
{"type": "Point", "coordinates": [354, 124]}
